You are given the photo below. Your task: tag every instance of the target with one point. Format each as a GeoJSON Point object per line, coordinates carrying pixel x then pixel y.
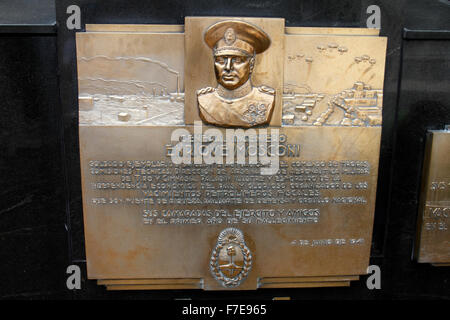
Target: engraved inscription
{"type": "Point", "coordinates": [436, 217]}
{"type": "Point", "coordinates": [168, 205]}
{"type": "Point", "coordinates": [436, 212]}
{"type": "Point", "coordinates": [156, 188]}
{"type": "Point", "coordinates": [433, 237]}
{"type": "Point", "coordinates": [327, 242]}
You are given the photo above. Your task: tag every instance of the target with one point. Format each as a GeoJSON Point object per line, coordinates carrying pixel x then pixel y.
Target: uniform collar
{"type": "Point", "coordinates": [240, 92]}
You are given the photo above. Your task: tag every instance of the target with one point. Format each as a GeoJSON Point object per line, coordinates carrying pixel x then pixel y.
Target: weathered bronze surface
{"type": "Point", "coordinates": [154, 224]}
{"type": "Point", "coordinates": [433, 237]}
{"type": "Point", "coordinates": [199, 62]}
{"type": "Point", "coordinates": [332, 31]}
{"type": "Point", "coordinates": [163, 28]}
{"type": "Point", "coordinates": [124, 72]}
{"type": "Point", "coordinates": [235, 102]}
{"type": "Point", "coordinates": [132, 234]}
{"type": "Point", "coordinates": [350, 93]}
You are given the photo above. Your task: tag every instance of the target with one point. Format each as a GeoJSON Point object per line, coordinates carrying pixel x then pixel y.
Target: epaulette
{"type": "Point", "coordinates": [205, 90]}
{"type": "Point", "coordinates": [266, 89]}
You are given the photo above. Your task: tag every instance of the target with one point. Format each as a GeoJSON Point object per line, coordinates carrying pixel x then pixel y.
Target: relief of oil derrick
{"type": "Point", "coordinates": [129, 91]}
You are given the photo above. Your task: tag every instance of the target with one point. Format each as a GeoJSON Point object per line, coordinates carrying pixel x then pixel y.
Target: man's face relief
{"type": "Point", "coordinates": [232, 71]}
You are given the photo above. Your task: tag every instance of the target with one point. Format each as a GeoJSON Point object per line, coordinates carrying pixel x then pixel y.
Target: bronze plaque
{"type": "Point", "coordinates": [433, 237]}
{"type": "Point", "coordinates": [228, 154]}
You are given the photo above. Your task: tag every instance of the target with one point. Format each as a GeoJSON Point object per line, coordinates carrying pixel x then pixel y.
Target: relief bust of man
{"type": "Point", "coordinates": [235, 102]}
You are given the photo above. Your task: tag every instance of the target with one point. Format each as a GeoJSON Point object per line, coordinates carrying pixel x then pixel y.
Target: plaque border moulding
{"type": "Point", "coordinates": [227, 256]}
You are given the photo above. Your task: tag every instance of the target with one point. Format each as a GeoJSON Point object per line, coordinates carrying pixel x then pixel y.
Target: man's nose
{"type": "Point", "coordinates": [228, 64]}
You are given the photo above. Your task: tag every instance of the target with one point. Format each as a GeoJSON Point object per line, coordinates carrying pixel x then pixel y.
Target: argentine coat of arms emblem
{"type": "Point", "coordinates": [231, 259]}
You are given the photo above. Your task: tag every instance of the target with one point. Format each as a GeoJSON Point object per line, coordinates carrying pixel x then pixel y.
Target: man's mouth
{"type": "Point", "coordinates": [228, 77]}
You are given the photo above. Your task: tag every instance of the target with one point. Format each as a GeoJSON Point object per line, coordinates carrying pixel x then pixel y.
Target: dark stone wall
{"type": "Point", "coordinates": [32, 198]}
{"type": "Point", "coordinates": [424, 104]}
{"type": "Point", "coordinates": [41, 226]}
